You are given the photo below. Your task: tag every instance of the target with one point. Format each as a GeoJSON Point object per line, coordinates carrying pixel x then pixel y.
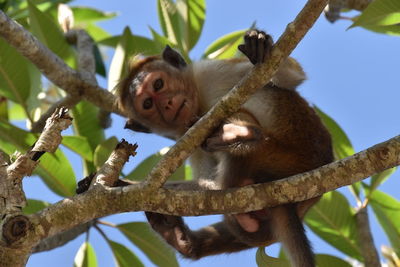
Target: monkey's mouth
{"type": "Point", "coordinates": [179, 111]}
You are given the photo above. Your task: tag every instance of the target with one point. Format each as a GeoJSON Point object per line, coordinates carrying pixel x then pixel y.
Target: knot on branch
{"type": "Point", "coordinates": [51, 137]}
{"type": "Point", "coordinates": [15, 228]}
{"type": "Point", "coordinates": [382, 154]}
{"type": "Point", "coordinates": [24, 165]}
{"type": "Point", "coordinates": [109, 173]}
{"type": "Point", "coordinates": [129, 148]}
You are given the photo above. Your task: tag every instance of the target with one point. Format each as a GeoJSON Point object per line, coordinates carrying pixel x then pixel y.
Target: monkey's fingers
{"type": "Point", "coordinates": [257, 44]}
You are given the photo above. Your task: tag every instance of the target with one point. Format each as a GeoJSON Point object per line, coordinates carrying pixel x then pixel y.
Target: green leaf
{"type": "Point", "coordinates": [35, 78]}
{"type": "Point", "coordinates": [16, 112]}
{"type": "Point", "coordinates": [387, 211]}
{"type": "Point", "coordinates": [86, 256]}
{"type": "Point", "coordinates": [159, 40]}
{"type": "Point", "coordinates": [123, 256]}
{"type": "Point", "coordinates": [86, 123]}
{"type": "Point", "coordinates": [341, 144]}
{"type": "Point", "coordinates": [48, 32]}
{"type": "Point", "coordinates": [3, 108]}
{"type": "Point", "coordinates": [332, 219]}
{"type": "Point", "coordinates": [127, 46]}
{"type": "Point", "coordinates": [263, 260]}
{"type": "Point", "coordinates": [80, 145]}
{"type": "Point", "coordinates": [111, 41]}
{"type": "Point", "coordinates": [379, 13]}
{"type": "Point", "coordinates": [54, 168]}
{"type": "Point", "coordinates": [381, 177]}
{"type": "Point", "coordinates": [143, 45]}
{"type": "Point", "coordinates": [13, 138]}
{"type": "Point", "coordinates": [169, 21]}
{"type": "Point", "coordinates": [149, 242]}
{"type": "Point", "coordinates": [192, 13]}
{"type": "Point", "coordinates": [97, 33]}
{"type": "Point", "coordinates": [188, 173]}
{"type": "Point", "coordinates": [34, 206]}
{"type": "Point", "coordinates": [324, 260]}
{"type": "Point", "coordinates": [85, 14]}
{"type": "Point", "coordinates": [14, 74]}
{"type": "Point", "coordinates": [100, 67]}
{"type": "Point", "coordinates": [390, 30]}
{"type": "Point", "coordinates": [118, 62]}
{"type": "Point", "coordinates": [225, 47]}
{"type": "Point", "coordinates": [103, 151]}
{"type": "Point", "coordinates": [20, 12]}
{"type": "Point", "coordinates": [144, 168]}
{"type": "Point", "coordinates": [56, 171]}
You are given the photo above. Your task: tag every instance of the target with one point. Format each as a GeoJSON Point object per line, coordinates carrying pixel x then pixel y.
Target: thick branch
{"type": "Point", "coordinates": [16, 229]}
{"type": "Point", "coordinates": [53, 67]}
{"type": "Point", "coordinates": [229, 104]}
{"type": "Point", "coordinates": [99, 201]}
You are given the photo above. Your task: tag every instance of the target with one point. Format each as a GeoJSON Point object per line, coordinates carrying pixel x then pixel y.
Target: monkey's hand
{"type": "Point", "coordinates": [174, 231]}
{"type": "Point", "coordinates": [257, 45]}
{"type": "Point", "coordinates": [234, 138]}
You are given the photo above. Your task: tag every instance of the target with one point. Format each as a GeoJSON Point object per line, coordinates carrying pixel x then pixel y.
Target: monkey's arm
{"type": "Point", "coordinates": [257, 45]}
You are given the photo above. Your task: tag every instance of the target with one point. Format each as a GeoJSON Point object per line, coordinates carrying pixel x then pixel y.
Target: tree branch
{"type": "Point", "coordinates": [62, 238]}
{"type": "Point", "coordinates": [86, 67]}
{"type": "Point", "coordinates": [102, 201]}
{"type": "Point", "coordinates": [230, 103]}
{"type": "Point", "coordinates": [73, 82]}
{"type": "Point", "coordinates": [15, 228]}
{"type": "Point", "coordinates": [11, 184]}
{"type": "Point", "coordinates": [368, 250]}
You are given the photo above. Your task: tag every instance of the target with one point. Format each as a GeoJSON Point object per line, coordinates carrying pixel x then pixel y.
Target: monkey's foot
{"type": "Point", "coordinates": [248, 223]}
{"type": "Point", "coordinates": [174, 231]}
{"type": "Point", "coordinates": [257, 45]}
{"type": "Point", "coordinates": [232, 136]}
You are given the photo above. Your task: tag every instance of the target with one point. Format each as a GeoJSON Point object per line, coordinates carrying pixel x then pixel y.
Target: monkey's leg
{"type": "Point", "coordinates": [210, 240]}
{"type": "Point", "coordinates": [289, 230]}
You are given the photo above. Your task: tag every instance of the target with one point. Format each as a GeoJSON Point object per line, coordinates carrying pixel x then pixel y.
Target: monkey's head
{"type": "Point", "coordinates": [159, 95]}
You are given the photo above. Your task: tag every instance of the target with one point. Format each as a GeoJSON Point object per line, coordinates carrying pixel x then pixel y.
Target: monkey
{"type": "Point", "coordinates": [274, 135]}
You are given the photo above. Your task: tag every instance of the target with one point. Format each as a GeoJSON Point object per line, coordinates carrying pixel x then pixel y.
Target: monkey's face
{"type": "Point", "coordinates": [164, 101]}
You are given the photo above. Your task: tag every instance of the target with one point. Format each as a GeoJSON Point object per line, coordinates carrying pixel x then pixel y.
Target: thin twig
{"type": "Point", "coordinates": [366, 241]}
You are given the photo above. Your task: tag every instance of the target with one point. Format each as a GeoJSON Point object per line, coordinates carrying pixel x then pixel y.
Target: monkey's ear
{"type": "Point", "coordinates": [136, 126]}
{"type": "Point", "coordinates": [173, 57]}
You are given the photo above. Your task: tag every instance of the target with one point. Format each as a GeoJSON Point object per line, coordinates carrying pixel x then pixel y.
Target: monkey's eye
{"type": "Point", "coordinates": [158, 84]}
{"type": "Point", "coordinates": [147, 103]}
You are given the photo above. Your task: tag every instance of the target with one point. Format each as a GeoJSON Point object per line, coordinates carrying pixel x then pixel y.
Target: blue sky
{"type": "Point", "coordinates": [353, 75]}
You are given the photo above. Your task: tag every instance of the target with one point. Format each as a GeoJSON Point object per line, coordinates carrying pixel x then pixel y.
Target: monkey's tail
{"type": "Point", "coordinates": [291, 233]}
